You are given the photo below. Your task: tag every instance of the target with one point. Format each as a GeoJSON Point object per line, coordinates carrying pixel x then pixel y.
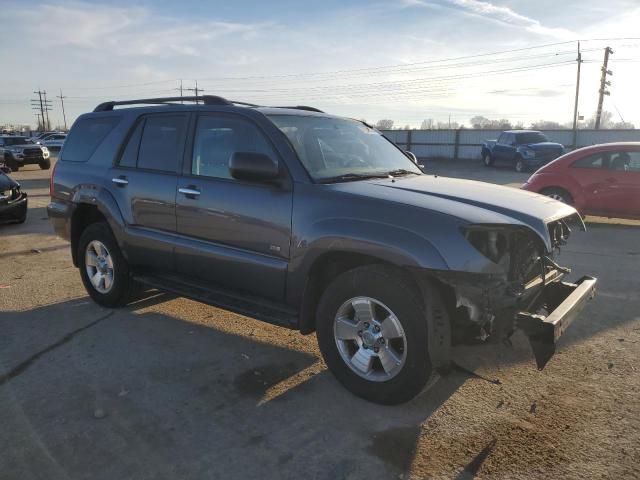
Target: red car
{"type": "Point", "coordinates": [599, 180]}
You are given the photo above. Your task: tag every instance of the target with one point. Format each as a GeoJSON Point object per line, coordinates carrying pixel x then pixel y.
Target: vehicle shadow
{"type": "Point", "coordinates": [132, 393]}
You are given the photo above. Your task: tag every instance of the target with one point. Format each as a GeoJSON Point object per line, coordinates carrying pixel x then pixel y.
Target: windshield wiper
{"type": "Point", "coordinates": [352, 177]}
{"type": "Point", "coordinates": [402, 171]}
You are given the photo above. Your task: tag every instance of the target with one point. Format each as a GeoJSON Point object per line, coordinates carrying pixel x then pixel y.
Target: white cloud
{"type": "Point", "coordinates": [496, 13]}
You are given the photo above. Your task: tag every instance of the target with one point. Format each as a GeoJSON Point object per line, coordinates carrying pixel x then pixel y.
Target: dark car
{"type": "Point", "coordinates": [316, 223]}
{"type": "Point", "coordinates": [13, 201]}
{"type": "Point", "coordinates": [20, 151]}
{"type": "Point", "coordinates": [520, 149]}
{"type": "Point", "coordinates": [596, 180]}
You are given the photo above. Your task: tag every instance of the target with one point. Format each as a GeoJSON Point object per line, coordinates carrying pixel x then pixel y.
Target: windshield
{"type": "Point", "coordinates": [531, 137]}
{"type": "Point", "coordinates": [330, 148]}
{"type": "Point", "coordinates": [17, 141]}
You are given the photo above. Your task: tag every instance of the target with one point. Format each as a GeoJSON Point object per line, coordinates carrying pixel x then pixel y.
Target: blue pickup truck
{"type": "Point", "coordinates": [521, 149]}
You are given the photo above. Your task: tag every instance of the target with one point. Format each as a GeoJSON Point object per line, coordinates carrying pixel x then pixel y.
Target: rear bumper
{"type": "Point", "coordinates": [563, 302]}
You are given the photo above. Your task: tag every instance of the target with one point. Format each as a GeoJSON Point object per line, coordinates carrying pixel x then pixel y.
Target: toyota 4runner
{"type": "Point", "coordinates": [315, 223]}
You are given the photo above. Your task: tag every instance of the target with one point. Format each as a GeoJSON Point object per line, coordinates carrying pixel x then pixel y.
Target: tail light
{"type": "Point", "coordinates": [53, 172]}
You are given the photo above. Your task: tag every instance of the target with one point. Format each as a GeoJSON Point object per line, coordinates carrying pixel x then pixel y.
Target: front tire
{"type": "Point", "coordinates": [103, 269]}
{"type": "Point", "coordinates": [12, 164]}
{"type": "Point", "coordinates": [45, 164]}
{"type": "Point", "coordinates": [487, 159]}
{"type": "Point", "coordinates": [371, 326]}
{"type": "Point", "coordinates": [559, 194]}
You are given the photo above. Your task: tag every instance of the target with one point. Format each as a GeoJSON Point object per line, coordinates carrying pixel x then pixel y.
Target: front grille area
{"type": "Point", "coordinates": [32, 152]}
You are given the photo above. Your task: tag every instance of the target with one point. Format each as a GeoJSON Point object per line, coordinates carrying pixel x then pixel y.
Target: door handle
{"type": "Point", "coordinates": [189, 191]}
{"type": "Point", "coordinates": [120, 181]}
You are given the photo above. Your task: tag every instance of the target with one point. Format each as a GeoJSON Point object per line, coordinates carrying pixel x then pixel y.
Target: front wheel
{"type": "Point", "coordinates": [103, 269]}
{"type": "Point", "coordinates": [12, 164]}
{"type": "Point", "coordinates": [45, 164]}
{"type": "Point", "coordinates": [487, 159]}
{"type": "Point", "coordinates": [520, 165]}
{"type": "Point", "coordinates": [371, 326]}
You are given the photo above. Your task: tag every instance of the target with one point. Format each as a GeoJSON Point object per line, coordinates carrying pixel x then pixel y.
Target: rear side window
{"type": "Point", "coordinates": [85, 136]}
{"type": "Point", "coordinates": [162, 142]}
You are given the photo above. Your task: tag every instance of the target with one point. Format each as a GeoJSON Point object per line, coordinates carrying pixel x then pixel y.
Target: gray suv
{"type": "Point", "coordinates": [315, 223]}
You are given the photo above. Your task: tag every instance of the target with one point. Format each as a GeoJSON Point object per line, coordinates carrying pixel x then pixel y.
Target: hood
{"type": "Point", "coordinates": [468, 200]}
{"type": "Point", "coordinates": [24, 145]}
{"type": "Point", "coordinates": [7, 183]}
{"type": "Point", "coordinates": [545, 146]}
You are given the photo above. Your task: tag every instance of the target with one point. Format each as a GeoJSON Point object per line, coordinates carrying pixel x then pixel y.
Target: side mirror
{"type": "Point", "coordinates": [411, 156]}
{"type": "Point", "coordinates": [253, 166]}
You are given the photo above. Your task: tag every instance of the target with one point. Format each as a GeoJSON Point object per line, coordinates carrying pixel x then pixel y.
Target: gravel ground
{"type": "Point", "coordinates": [170, 388]}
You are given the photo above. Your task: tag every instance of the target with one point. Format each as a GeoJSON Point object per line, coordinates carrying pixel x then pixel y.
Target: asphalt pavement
{"type": "Point", "coordinates": [171, 388]}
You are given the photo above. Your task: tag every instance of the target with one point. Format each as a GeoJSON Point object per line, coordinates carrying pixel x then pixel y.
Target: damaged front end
{"type": "Point", "coordinates": [520, 287]}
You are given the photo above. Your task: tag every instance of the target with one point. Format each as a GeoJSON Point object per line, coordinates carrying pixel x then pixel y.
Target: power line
{"type": "Point", "coordinates": [64, 116]}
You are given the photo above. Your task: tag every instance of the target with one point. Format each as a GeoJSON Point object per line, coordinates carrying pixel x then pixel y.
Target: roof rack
{"type": "Point", "coordinates": [303, 107]}
{"type": "Point", "coordinates": [206, 99]}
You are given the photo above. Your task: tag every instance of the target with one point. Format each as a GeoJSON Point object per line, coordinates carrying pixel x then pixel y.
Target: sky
{"type": "Point", "coordinates": [407, 60]}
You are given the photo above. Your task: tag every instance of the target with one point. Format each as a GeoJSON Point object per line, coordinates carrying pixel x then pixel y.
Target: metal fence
{"type": "Point", "coordinates": [467, 144]}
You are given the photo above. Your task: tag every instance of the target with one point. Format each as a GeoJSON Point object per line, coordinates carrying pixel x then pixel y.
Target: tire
{"type": "Point", "coordinates": [559, 194]}
{"type": "Point", "coordinates": [12, 164]}
{"type": "Point", "coordinates": [487, 159]}
{"type": "Point", "coordinates": [390, 292]}
{"type": "Point", "coordinates": [45, 164]}
{"type": "Point", "coordinates": [109, 294]}
{"type": "Point", "coordinates": [520, 166]}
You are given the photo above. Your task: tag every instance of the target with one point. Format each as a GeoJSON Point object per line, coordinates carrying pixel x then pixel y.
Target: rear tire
{"type": "Point", "coordinates": [111, 284]}
{"type": "Point", "coordinates": [394, 367]}
{"type": "Point", "coordinates": [45, 164]}
{"type": "Point", "coordinates": [559, 194]}
{"type": "Point", "coordinates": [12, 164]}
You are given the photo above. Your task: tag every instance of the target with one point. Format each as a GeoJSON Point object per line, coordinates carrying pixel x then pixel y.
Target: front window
{"type": "Point", "coordinates": [332, 149]}
{"type": "Point", "coordinates": [17, 141]}
{"type": "Point", "coordinates": [531, 137]}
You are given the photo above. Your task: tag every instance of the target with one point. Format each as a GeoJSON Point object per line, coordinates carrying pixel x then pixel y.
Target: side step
{"type": "Point", "coordinates": [247, 305]}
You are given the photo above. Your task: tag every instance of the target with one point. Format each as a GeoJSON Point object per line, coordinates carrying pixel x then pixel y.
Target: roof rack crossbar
{"type": "Point", "coordinates": [206, 99]}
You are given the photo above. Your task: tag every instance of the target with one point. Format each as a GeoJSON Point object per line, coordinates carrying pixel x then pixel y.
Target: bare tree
{"type": "Point", "coordinates": [546, 125]}
{"type": "Point", "coordinates": [384, 124]}
{"type": "Point", "coordinates": [480, 122]}
{"type": "Point", "coordinates": [428, 124]}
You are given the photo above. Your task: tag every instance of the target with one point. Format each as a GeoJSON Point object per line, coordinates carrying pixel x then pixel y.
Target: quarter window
{"type": "Point", "coordinates": [217, 138]}
{"type": "Point", "coordinates": [85, 136]}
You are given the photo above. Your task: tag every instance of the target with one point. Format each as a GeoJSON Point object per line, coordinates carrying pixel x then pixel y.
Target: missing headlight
{"type": "Point", "coordinates": [493, 244]}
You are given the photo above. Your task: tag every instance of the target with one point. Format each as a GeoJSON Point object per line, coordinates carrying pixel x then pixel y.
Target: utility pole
{"type": "Point", "coordinates": [603, 85]}
{"type": "Point", "coordinates": [34, 106]}
{"type": "Point", "coordinates": [47, 107]}
{"type": "Point", "coordinates": [195, 90]}
{"type": "Point", "coordinates": [64, 116]}
{"type": "Point", "coordinates": [180, 89]}
{"type": "Point", "coordinates": [575, 107]}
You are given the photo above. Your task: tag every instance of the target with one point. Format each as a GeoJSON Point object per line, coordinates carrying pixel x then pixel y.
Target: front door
{"type": "Point", "coordinates": [144, 182]}
{"type": "Point", "coordinates": [234, 234]}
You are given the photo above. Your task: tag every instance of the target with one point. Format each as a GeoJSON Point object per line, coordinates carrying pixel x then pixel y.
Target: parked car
{"type": "Point", "coordinates": [13, 201]}
{"type": "Point", "coordinates": [54, 142]}
{"type": "Point", "coordinates": [42, 135]}
{"type": "Point", "coordinates": [316, 223]}
{"type": "Point", "coordinates": [520, 149]}
{"type": "Point", "coordinates": [20, 151]}
{"type": "Point", "coordinates": [596, 180]}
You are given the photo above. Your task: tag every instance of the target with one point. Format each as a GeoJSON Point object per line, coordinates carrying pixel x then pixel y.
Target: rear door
{"type": "Point", "coordinates": [144, 182]}
{"type": "Point", "coordinates": [235, 234]}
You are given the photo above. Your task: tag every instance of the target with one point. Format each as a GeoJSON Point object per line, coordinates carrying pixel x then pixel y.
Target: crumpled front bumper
{"type": "Point", "coordinates": [562, 302]}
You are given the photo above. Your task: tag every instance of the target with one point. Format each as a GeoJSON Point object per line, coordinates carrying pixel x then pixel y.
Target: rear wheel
{"type": "Point", "coordinates": [559, 194]}
{"type": "Point", "coordinates": [103, 269]}
{"type": "Point", "coordinates": [12, 164]}
{"type": "Point", "coordinates": [372, 330]}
